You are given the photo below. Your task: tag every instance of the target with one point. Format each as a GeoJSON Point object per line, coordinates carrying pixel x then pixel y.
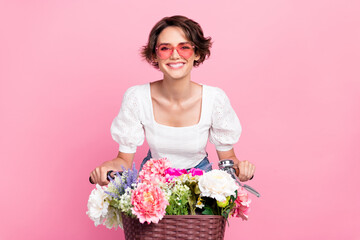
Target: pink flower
{"type": "Point", "coordinates": [175, 171]}
{"type": "Point", "coordinates": [242, 206]}
{"type": "Point", "coordinates": [170, 173]}
{"type": "Point", "coordinates": [154, 171]}
{"type": "Point", "coordinates": [149, 203]}
{"type": "Point", "coordinates": [196, 172]}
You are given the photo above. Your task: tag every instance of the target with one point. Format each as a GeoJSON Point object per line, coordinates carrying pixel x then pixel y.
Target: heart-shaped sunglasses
{"type": "Point", "coordinates": [165, 50]}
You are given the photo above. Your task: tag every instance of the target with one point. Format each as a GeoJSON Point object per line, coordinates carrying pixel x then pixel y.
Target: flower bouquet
{"type": "Point", "coordinates": [177, 200]}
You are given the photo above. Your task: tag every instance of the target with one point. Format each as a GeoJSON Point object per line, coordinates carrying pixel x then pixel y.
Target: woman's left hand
{"type": "Point", "coordinates": [245, 171]}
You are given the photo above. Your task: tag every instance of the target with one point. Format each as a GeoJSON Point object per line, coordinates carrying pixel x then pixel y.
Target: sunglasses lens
{"type": "Point", "coordinates": [185, 50]}
{"type": "Point", "coordinates": [164, 51]}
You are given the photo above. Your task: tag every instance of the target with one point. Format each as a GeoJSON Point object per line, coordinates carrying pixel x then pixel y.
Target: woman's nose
{"type": "Point", "coordinates": [174, 54]}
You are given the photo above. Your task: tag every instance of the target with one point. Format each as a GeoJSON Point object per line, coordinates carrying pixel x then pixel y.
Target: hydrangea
{"type": "Point", "coordinates": [98, 205]}
{"type": "Point", "coordinates": [217, 184]}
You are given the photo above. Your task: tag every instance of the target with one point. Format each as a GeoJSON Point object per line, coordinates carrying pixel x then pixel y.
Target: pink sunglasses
{"type": "Point", "coordinates": [165, 50]}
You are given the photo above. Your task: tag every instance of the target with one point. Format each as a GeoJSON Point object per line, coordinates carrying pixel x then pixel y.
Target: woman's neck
{"type": "Point", "coordinates": [176, 89]}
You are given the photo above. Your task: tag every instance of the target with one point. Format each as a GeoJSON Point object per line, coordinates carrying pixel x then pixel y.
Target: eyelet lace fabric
{"type": "Point", "coordinates": [126, 128]}
{"type": "Point", "coordinates": [225, 128]}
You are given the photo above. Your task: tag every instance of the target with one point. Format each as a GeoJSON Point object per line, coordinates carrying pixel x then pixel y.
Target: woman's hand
{"type": "Point", "coordinates": [245, 170]}
{"type": "Point", "coordinates": [99, 174]}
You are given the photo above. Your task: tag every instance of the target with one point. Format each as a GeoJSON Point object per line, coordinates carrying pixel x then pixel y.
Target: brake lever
{"type": "Point", "coordinates": [227, 165]}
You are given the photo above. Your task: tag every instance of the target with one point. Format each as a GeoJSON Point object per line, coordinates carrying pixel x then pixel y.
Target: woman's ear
{"type": "Point", "coordinates": [197, 57]}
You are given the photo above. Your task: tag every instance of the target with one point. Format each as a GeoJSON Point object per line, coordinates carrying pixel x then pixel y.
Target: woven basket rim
{"type": "Point", "coordinates": [193, 216]}
{"type": "Point", "coordinates": [186, 227]}
{"type": "Point", "coordinates": [186, 216]}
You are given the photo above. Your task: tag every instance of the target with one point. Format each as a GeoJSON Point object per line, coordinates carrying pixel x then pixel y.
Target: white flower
{"type": "Point", "coordinates": [125, 201]}
{"type": "Point", "coordinates": [217, 184]}
{"type": "Point", "coordinates": [199, 203]}
{"type": "Point", "coordinates": [98, 205]}
{"type": "Point", "coordinates": [113, 219]}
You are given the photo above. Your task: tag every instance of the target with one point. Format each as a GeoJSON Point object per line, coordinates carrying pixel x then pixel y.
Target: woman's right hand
{"type": "Point", "coordinates": [99, 174]}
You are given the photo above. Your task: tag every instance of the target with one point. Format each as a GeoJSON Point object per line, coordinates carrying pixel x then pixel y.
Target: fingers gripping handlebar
{"type": "Point", "coordinates": [109, 176]}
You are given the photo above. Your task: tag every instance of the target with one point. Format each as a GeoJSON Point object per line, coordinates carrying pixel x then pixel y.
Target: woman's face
{"type": "Point", "coordinates": [179, 64]}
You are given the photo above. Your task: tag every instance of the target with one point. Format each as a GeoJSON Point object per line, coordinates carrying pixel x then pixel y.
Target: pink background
{"type": "Point", "coordinates": [290, 68]}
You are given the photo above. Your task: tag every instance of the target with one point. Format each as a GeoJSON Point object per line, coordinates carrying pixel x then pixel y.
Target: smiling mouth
{"type": "Point", "coordinates": [176, 65]}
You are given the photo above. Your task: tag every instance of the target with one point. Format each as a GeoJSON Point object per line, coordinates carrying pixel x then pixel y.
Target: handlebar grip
{"type": "Point", "coordinates": [108, 176]}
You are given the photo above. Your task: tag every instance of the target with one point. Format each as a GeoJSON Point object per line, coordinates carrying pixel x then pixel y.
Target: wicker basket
{"type": "Point", "coordinates": [176, 227]}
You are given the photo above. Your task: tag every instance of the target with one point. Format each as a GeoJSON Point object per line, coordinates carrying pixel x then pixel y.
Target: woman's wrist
{"type": "Point", "coordinates": [118, 163]}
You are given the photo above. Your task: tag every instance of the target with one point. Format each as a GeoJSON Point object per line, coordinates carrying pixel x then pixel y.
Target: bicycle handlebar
{"type": "Point", "coordinates": [109, 177]}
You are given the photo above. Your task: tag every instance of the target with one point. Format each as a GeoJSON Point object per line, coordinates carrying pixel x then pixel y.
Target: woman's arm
{"type": "Point", "coordinates": [246, 169]}
{"type": "Point", "coordinates": [99, 174]}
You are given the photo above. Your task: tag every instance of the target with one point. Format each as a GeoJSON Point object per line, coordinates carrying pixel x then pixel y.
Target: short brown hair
{"type": "Point", "coordinates": [192, 30]}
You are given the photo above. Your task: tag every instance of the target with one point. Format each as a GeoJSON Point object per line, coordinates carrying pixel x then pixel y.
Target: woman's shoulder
{"type": "Point", "coordinates": [136, 89]}
{"type": "Point", "coordinates": [214, 91]}
{"type": "Point", "coordinates": [136, 92]}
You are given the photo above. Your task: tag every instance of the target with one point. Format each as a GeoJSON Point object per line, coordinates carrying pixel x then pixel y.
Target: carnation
{"type": "Point", "coordinates": [196, 172]}
{"type": "Point", "coordinates": [149, 203]}
{"type": "Point", "coordinates": [170, 173]}
{"type": "Point", "coordinates": [217, 184]}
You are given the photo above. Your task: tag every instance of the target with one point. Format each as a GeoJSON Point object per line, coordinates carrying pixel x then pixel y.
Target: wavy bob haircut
{"type": "Point", "coordinates": [193, 33]}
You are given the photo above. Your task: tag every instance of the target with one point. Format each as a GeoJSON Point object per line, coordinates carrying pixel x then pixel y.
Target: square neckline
{"type": "Point", "coordinates": [172, 127]}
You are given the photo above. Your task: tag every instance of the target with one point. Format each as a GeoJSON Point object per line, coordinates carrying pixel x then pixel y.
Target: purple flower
{"type": "Point", "coordinates": [122, 181]}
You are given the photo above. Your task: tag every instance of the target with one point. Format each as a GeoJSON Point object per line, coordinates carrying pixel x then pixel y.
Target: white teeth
{"type": "Point", "coordinates": [176, 65]}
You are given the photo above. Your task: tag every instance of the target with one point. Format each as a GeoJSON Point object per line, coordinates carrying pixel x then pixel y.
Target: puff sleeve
{"type": "Point", "coordinates": [126, 128]}
{"type": "Point", "coordinates": [225, 127]}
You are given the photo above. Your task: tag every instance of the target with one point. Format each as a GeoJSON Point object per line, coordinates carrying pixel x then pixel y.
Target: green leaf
{"type": "Point", "coordinates": [208, 211]}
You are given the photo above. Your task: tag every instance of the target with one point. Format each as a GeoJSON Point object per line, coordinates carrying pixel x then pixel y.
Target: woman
{"type": "Point", "coordinates": [176, 115]}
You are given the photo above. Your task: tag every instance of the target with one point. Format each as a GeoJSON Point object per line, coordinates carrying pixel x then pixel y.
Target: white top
{"type": "Point", "coordinates": [183, 146]}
